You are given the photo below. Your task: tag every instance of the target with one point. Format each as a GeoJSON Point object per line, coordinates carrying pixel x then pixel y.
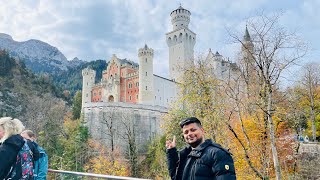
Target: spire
{"type": "Point", "coordinates": [180, 7]}
{"type": "Point", "coordinates": [145, 46]}
{"type": "Point", "coordinates": [246, 36]}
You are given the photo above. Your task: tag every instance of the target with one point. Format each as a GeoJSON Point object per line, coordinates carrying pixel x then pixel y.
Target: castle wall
{"type": "Point", "coordinates": [115, 121]}
{"type": "Point", "coordinates": [165, 91]}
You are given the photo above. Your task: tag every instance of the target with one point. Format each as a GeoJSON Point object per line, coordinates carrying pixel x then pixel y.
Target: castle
{"type": "Point", "coordinates": [129, 95]}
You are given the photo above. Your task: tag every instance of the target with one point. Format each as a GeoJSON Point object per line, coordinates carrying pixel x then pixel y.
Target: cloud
{"type": "Point", "coordinates": [96, 29]}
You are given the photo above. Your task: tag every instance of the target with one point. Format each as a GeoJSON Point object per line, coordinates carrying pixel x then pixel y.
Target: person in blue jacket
{"type": "Point", "coordinates": [201, 159]}
{"type": "Point", "coordinates": [41, 165]}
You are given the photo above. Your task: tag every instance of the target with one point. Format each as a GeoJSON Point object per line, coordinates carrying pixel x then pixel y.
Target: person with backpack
{"type": "Point", "coordinates": [40, 165]}
{"type": "Point", "coordinates": [15, 155]}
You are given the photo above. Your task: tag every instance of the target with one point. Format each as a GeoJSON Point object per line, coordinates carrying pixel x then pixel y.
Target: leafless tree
{"type": "Point", "coordinates": [311, 81]}
{"type": "Point", "coordinates": [128, 133]}
{"type": "Point", "coordinates": [274, 49]}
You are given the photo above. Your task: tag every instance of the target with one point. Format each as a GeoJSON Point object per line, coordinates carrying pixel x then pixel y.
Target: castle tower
{"type": "Point", "coordinates": [88, 79]}
{"type": "Point", "coordinates": [146, 89]}
{"type": "Point", "coordinates": [247, 61]}
{"type": "Point", "coordinates": [181, 41]}
{"type": "Point", "coordinates": [247, 47]}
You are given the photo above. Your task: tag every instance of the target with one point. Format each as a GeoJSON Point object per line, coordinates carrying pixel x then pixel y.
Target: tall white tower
{"type": "Point", "coordinates": [88, 79]}
{"type": "Point", "coordinates": [146, 89]}
{"type": "Point", "coordinates": [181, 41]}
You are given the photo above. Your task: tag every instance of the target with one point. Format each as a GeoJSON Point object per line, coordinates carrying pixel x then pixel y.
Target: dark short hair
{"type": "Point", "coordinates": [190, 120]}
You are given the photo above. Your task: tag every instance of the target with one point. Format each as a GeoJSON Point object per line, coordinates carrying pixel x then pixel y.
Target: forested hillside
{"type": "Point", "coordinates": [19, 85]}
{"type": "Point", "coordinates": [72, 80]}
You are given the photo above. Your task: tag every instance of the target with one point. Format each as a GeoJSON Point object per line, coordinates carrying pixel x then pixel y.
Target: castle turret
{"type": "Point", "coordinates": [247, 47]}
{"type": "Point", "coordinates": [88, 79]}
{"type": "Point", "coordinates": [181, 41]}
{"type": "Point", "coordinates": [146, 89]}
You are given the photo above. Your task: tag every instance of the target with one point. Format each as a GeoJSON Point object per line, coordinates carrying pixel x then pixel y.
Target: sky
{"type": "Point", "coordinates": [96, 29]}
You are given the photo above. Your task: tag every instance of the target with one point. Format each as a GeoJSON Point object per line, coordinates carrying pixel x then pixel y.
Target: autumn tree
{"type": "Point", "coordinates": [275, 49]}
{"type": "Point", "coordinates": [311, 82]}
{"type": "Point", "coordinates": [103, 161]}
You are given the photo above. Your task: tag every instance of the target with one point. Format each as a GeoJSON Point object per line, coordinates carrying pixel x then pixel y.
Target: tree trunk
{"type": "Point", "coordinates": [272, 135]}
{"type": "Point", "coordinates": [312, 116]}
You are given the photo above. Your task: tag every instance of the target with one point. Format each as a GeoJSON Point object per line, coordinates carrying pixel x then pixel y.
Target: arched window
{"type": "Point", "coordinates": [111, 99]}
{"type": "Point", "coordinates": [146, 73]}
{"type": "Point", "coordinates": [146, 60]}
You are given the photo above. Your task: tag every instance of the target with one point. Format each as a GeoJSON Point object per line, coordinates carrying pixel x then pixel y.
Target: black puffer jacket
{"type": "Point", "coordinates": [208, 161]}
{"type": "Point", "coordinates": [8, 153]}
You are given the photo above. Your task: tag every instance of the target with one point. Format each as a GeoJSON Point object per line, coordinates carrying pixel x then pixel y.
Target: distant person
{"type": "Point", "coordinates": [301, 138]}
{"type": "Point", "coordinates": [306, 138]}
{"type": "Point", "coordinates": [41, 165]}
{"type": "Point", "coordinates": [202, 159]}
{"type": "Point", "coordinates": [12, 148]}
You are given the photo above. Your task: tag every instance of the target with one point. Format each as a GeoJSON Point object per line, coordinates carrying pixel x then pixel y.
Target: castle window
{"type": "Point", "coordinates": [146, 73]}
{"type": "Point", "coordinates": [130, 85]}
{"type": "Point", "coordinates": [86, 95]}
{"type": "Point", "coordinates": [87, 84]}
{"type": "Point", "coordinates": [130, 98]}
{"type": "Point", "coordinates": [137, 96]}
{"type": "Point", "coordinates": [146, 60]}
{"type": "Point", "coordinates": [137, 84]}
{"type": "Point", "coordinates": [155, 97]}
{"type": "Point", "coordinates": [146, 87]}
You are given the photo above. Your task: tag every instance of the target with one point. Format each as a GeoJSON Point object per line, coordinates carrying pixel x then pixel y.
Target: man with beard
{"type": "Point", "coordinates": [202, 159]}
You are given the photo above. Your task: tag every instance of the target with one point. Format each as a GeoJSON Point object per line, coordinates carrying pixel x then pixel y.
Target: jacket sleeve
{"type": "Point", "coordinates": [173, 161]}
{"type": "Point", "coordinates": [223, 166]}
{"type": "Point", "coordinates": [8, 157]}
{"type": "Point", "coordinates": [43, 169]}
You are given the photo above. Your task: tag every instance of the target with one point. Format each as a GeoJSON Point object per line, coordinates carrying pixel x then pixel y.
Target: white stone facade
{"type": "Point", "coordinates": [146, 80]}
{"type": "Point", "coordinates": [181, 41]}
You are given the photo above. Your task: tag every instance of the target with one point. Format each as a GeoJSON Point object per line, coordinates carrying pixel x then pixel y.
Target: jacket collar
{"type": "Point", "coordinates": [16, 141]}
{"type": "Point", "coordinates": [197, 152]}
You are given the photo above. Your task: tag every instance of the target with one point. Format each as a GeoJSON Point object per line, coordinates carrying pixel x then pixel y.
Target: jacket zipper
{"type": "Point", "coordinates": [193, 172]}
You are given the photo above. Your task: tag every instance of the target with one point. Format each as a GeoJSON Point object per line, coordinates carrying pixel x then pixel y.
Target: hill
{"type": "Point", "coordinates": [18, 86]}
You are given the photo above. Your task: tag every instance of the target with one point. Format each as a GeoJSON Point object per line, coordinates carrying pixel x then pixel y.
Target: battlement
{"type": "Point", "coordinates": [88, 72]}
{"type": "Point", "coordinates": [180, 18]}
{"type": "Point", "coordinates": [145, 51]}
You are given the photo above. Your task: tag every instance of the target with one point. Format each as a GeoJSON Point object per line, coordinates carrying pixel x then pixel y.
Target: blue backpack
{"type": "Point", "coordinates": [23, 168]}
{"type": "Point", "coordinates": [41, 165]}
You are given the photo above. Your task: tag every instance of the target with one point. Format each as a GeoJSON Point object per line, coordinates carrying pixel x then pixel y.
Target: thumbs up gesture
{"type": "Point", "coordinates": [171, 144]}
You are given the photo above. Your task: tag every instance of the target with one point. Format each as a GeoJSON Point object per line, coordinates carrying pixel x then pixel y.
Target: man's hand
{"type": "Point", "coordinates": [171, 144]}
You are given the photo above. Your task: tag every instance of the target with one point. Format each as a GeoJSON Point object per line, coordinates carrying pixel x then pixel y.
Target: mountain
{"type": "Point", "coordinates": [71, 80]}
{"type": "Point", "coordinates": [42, 58]}
{"type": "Point", "coordinates": [19, 86]}
{"type": "Point", "coordinates": [37, 55]}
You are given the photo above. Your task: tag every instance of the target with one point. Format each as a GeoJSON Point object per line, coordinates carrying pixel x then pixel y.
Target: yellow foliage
{"type": "Point", "coordinates": [106, 163]}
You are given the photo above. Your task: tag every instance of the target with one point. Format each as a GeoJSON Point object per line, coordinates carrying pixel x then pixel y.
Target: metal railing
{"type": "Point", "coordinates": [71, 175]}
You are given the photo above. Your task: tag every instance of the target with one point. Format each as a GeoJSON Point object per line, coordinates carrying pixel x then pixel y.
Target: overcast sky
{"type": "Point", "coordinates": [96, 29]}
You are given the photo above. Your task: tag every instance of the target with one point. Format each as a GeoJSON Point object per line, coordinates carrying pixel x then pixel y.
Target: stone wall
{"type": "Point", "coordinates": [112, 124]}
{"type": "Point", "coordinates": [309, 160]}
